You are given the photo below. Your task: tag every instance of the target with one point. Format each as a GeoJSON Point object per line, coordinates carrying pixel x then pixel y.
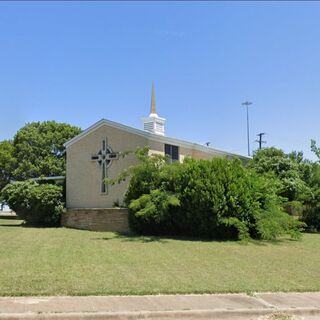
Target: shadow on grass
{"type": "Point", "coordinates": [10, 221]}
{"type": "Point", "coordinates": [9, 217]}
{"type": "Point", "coordinates": [39, 226]}
{"type": "Point", "coordinates": [264, 243]}
{"type": "Point", "coordinates": [311, 232]}
{"type": "Point", "coordinates": [17, 225]}
{"type": "Point", "coordinates": [133, 237]}
{"type": "Point", "coordinates": [17, 222]}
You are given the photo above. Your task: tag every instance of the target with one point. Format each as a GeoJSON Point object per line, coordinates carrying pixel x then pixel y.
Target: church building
{"type": "Point", "coordinates": [94, 155]}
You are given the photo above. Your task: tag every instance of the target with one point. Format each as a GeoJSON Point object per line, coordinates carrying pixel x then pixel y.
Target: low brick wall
{"type": "Point", "coordinates": [106, 219]}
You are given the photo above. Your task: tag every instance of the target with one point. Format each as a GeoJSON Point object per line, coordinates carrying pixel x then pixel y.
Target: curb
{"type": "Point", "coordinates": [222, 314]}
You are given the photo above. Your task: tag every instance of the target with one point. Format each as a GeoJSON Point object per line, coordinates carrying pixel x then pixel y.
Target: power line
{"type": "Point", "coordinates": [260, 141]}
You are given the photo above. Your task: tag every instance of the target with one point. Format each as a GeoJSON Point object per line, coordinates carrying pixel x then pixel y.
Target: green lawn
{"type": "Point", "coordinates": [50, 261]}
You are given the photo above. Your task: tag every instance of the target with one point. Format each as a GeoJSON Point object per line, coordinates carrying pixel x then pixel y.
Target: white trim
{"type": "Point", "coordinates": [152, 137]}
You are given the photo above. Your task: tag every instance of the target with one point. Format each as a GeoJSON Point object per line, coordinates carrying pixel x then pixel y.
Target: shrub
{"type": "Point", "coordinates": [311, 211]}
{"type": "Point", "coordinates": [152, 212]}
{"type": "Point", "coordinates": [311, 200]}
{"type": "Point", "coordinates": [214, 198]}
{"type": "Point", "coordinates": [39, 204]}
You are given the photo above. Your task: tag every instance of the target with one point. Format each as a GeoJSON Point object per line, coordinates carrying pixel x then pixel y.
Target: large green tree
{"type": "Point", "coordinates": [7, 162]}
{"type": "Point", "coordinates": [38, 149]}
{"type": "Point", "coordinates": [292, 171]}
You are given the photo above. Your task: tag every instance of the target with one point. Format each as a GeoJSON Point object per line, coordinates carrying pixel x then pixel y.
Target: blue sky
{"type": "Point", "coordinates": [78, 62]}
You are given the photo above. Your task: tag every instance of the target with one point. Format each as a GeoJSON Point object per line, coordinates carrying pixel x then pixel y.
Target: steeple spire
{"type": "Point", "coordinates": [153, 101]}
{"type": "Point", "coordinates": [153, 123]}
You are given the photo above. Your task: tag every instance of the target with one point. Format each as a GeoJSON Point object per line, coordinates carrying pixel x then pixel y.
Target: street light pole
{"type": "Point", "coordinates": [247, 104]}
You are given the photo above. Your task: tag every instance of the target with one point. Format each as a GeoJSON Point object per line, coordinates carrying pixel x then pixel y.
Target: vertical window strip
{"type": "Point", "coordinates": [172, 152]}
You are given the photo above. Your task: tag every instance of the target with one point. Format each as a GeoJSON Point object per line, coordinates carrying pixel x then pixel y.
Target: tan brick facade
{"type": "Point", "coordinates": [83, 177]}
{"type": "Point", "coordinates": [98, 219]}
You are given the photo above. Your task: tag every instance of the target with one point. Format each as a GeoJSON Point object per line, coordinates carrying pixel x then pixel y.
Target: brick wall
{"type": "Point", "coordinates": [106, 219]}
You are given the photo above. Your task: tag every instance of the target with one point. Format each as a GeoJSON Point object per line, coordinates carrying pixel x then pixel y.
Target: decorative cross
{"type": "Point", "coordinates": [104, 158]}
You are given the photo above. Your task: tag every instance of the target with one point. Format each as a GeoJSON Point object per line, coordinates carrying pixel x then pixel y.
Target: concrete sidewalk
{"type": "Point", "coordinates": [220, 306]}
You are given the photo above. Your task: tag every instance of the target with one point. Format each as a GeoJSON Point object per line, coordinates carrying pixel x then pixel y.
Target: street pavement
{"type": "Point", "coordinates": [260, 306]}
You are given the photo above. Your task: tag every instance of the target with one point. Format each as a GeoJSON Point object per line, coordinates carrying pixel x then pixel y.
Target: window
{"type": "Point", "coordinates": [172, 152]}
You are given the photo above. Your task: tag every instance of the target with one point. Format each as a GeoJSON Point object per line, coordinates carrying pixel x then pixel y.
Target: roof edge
{"type": "Point", "coordinates": [150, 136]}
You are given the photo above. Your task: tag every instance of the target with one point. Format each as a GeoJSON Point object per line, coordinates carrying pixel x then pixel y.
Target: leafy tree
{"type": "Point", "coordinates": [38, 149]}
{"type": "Point", "coordinates": [311, 201]}
{"type": "Point", "coordinates": [299, 181]}
{"type": "Point", "coordinates": [7, 162]}
{"type": "Point", "coordinates": [292, 171]}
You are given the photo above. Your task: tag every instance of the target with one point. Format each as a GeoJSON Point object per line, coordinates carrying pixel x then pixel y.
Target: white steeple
{"type": "Point", "coordinates": [154, 123]}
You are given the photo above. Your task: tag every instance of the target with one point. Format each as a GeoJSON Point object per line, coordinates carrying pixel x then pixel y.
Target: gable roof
{"type": "Point", "coordinates": [151, 136]}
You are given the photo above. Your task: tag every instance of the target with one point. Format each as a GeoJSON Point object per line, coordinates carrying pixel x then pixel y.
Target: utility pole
{"type": "Point", "coordinates": [247, 104]}
{"type": "Point", "coordinates": [260, 141]}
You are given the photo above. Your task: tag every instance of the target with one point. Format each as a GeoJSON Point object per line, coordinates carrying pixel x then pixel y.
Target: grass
{"type": "Point", "coordinates": [59, 261]}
